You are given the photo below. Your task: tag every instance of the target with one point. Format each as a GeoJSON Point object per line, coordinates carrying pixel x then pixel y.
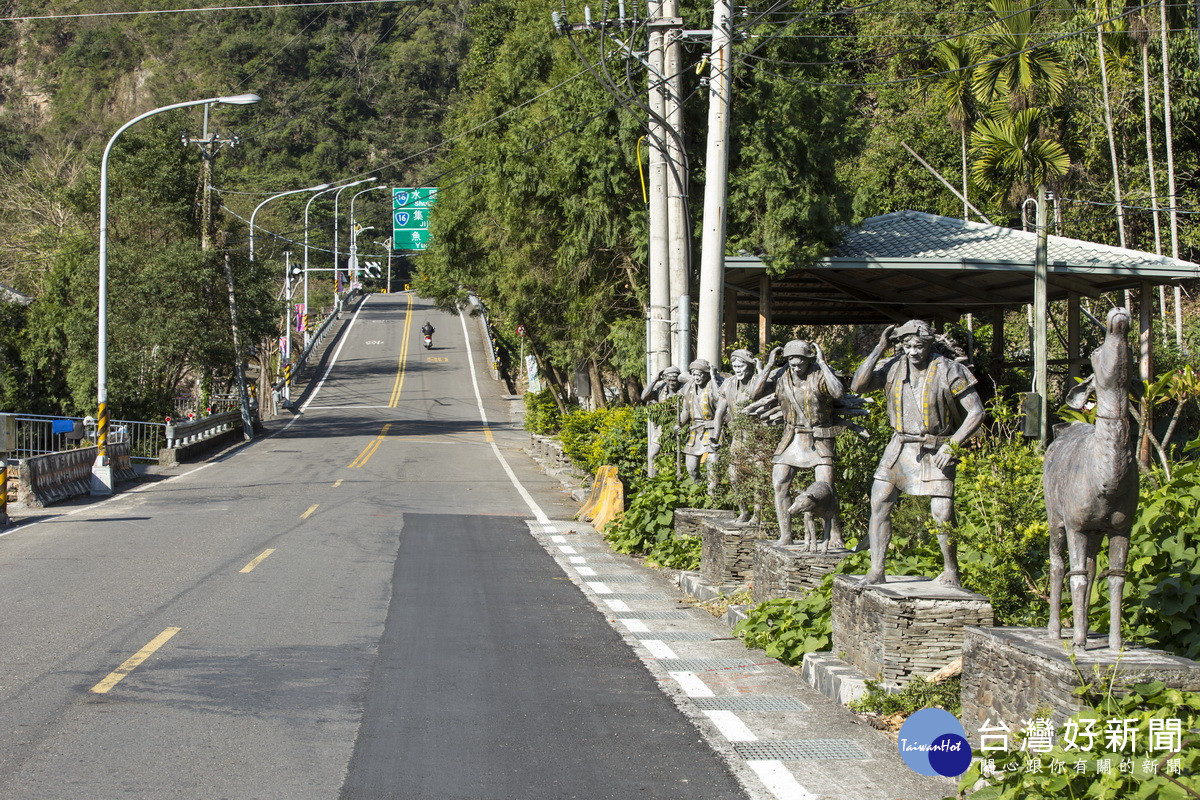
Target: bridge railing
{"type": "Point", "coordinates": [36, 436]}
{"type": "Point", "coordinates": [178, 434]}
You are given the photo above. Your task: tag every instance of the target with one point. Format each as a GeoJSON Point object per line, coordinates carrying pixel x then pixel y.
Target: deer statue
{"type": "Point", "coordinates": [1091, 485]}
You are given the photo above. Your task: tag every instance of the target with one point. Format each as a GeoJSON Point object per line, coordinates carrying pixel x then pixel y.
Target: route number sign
{"type": "Point", "coordinates": [410, 217]}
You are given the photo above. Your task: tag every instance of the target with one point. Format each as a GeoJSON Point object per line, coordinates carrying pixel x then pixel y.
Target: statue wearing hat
{"type": "Point", "coordinates": [747, 384]}
{"type": "Point", "coordinates": [698, 415]}
{"type": "Point", "coordinates": [932, 405]}
{"type": "Point", "coordinates": [806, 390]}
{"type": "Point", "coordinates": [664, 386]}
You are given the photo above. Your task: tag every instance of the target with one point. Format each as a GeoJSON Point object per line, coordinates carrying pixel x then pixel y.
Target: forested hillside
{"type": "Point", "coordinates": [534, 141]}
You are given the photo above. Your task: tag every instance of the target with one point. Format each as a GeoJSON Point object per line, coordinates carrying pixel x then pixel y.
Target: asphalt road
{"type": "Point", "coordinates": [353, 607]}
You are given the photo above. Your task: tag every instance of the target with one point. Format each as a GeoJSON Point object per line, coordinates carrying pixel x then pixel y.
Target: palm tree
{"type": "Point", "coordinates": [954, 85]}
{"type": "Point", "coordinates": [1011, 156]}
{"type": "Point", "coordinates": [1019, 82]}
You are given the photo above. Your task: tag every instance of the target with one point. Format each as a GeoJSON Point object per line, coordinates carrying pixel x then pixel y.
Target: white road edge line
{"type": "Point", "coordinates": [538, 514]}
{"type": "Point", "coordinates": [691, 684]}
{"type": "Point", "coordinates": [731, 726]}
{"type": "Point", "coordinates": [777, 778]}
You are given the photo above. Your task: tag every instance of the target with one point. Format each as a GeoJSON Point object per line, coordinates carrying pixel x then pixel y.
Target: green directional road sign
{"type": "Point", "coordinates": [410, 217]}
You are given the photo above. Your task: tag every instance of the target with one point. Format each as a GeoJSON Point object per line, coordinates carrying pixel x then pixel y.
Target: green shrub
{"type": "Point", "coordinates": [676, 553]}
{"type": "Point", "coordinates": [787, 628]}
{"type": "Point", "coordinates": [541, 413]}
{"type": "Point", "coordinates": [616, 436]}
{"type": "Point", "coordinates": [917, 694]}
{"type": "Point", "coordinates": [649, 518]}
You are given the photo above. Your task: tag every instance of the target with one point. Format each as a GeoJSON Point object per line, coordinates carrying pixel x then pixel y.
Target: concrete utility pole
{"type": "Point", "coordinates": [678, 230]}
{"type": "Point", "coordinates": [659, 255]}
{"type": "Point", "coordinates": [1041, 369]}
{"type": "Point", "coordinates": [716, 166]}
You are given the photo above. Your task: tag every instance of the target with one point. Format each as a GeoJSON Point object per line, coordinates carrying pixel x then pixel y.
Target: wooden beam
{"type": "Point", "coordinates": [1073, 355]}
{"type": "Point", "coordinates": [764, 315]}
{"type": "Point", "coordinates": [873, 302]}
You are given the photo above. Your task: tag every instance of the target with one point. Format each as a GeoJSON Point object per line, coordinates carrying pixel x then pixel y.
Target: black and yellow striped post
{"type": "Point", "coordinates": [102, 431]}
{"type": "Point", "coordinates": [3, 492]}
{"type": "Point", "coordinates": [287, 374]}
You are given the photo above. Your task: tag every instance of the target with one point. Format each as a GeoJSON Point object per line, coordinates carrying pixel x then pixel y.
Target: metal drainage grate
{"type": "Point", "coordinates": [707, 665]}
{"type": "Point", "coordinates": [676, 636]}
{"type": "Point", "coordinates": [803, 750]}
{"type": "Point", "coordinates": [752, 703]}
{"type": "Point", "coordinates": [653, 615]}
{"type": "Point", "coordinates": [635, 597]}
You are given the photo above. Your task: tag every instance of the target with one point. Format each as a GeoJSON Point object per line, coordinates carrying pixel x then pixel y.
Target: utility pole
{"type": "Point", "coordinates": [660, 274]}
{"type": "Point", "coordinates": [716, 167]}
{"type": "Point", "coordinates": [210, 144]}
{"type": "Point", "coordinates": [678, 230]}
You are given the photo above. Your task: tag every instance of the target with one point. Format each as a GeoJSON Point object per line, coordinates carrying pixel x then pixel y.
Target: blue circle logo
{"type": "Point", "coordinates": [933, 742]}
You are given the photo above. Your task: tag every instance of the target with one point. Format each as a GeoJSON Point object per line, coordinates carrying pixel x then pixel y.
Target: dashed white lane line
{"type": "Point", "coordinates": [566, 548]}
{"type": "Point", "coordinates": [779, 780]}
{"type": "Point", "coordinates": [588, 571]}
{"type": "Point", "coordinates": [731, 726]}
{"type": "Point", "coordinates": [691, 684]}
{"type": "Point", "coordinates": [558, 539]}
{"type": "Point", "coordinates": [617, 605]}
{"type": "Point", "coordinates": [635, 626]}
{"type": "Point", "coordinates": [599, 587]}
{"type": "Point", "coordinates": [577, 559]}
{"type": "Point", "coordinates": [659, 649]}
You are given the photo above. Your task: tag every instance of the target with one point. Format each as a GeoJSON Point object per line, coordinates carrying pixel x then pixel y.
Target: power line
{"type": "Point", "coordinates": [207, 9]}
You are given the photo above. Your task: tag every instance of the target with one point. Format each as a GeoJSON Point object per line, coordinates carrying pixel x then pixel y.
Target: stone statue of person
{"type": "Point", "coordinates": [698, 416]}
{"type": "Point", "coordinates": [664, 386]}
{"type": "Point", "coordinates": [932, 405]}
{"type": "Point", "coordinates": [747, 384]}
{"type": "Point", "coordinates": [805, 388]}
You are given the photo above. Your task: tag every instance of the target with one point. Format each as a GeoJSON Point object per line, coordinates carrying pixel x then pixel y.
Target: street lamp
{"type": "Point", "coordinates": [318, 188]}
{"type": "Point", "coordinates": [336, 197]}
{"type": "Point", "coordinates": [101, 470]}
{"type": "Point", "coordinates": [355, 197]}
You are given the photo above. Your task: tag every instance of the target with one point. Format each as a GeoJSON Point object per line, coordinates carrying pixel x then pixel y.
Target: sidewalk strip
{"type": "Point", "coordinates": [782, 783]}
{"type": "Point", "coordinates": [131, 663]}
{"type": "Point", "coordinates": [257, 560]}
{"type": "Point", "coordinates": [731, 726]}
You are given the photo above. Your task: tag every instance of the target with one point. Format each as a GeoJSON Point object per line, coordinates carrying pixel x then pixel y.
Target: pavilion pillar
{"type": "Point", "coordinates": [764, 316]}
{"type": "Point", "coordinates": [1074, 357]}
{"type": "Point", "coordinates": [996, 365]}
{"type": "Point", "coordinates": [1145, 365]}
{"type": "Point", "coordinates": [730, 321]}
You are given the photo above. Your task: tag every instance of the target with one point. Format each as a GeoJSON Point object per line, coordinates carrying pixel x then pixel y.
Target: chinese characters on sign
{"type": "Point", "coordinates": [1101, 746]}
{"type": "Point", "coordinates": [410, 217]}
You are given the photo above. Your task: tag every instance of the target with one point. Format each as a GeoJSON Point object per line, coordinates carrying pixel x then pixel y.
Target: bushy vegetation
{"type": "Point", "coordinates": [649, 519]}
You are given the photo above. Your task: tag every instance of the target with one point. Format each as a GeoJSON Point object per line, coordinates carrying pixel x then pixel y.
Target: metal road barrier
{"type": "Point", "coordinates": [52, 477]}
{"type": "Point", "coordinates": [36, 436]}
{"type": "Point", "coordinates": [179, 434]}
{"type": "Point", "coordinates": [493, 357]}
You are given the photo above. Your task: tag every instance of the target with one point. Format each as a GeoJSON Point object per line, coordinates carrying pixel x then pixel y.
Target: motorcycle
{"type": "Point", "coordinates": [428, 341]}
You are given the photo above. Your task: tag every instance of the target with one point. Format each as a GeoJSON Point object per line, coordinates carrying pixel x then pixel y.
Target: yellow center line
{"type": "Point", "coordinates": [370, 449]}
{"type": "Point", "coordinates": [258, 559]}
{"type": "Point", "coordinates": [131, 663]}
{"type": "Point", "coordinates": [403, 355]}
{"type": "Point", "coordinates": [311, 509]}
{"type": "Point", "coordinates": [337, 483]}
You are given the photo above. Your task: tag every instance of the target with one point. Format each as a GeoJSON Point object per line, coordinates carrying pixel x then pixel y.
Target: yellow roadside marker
{"type": "Point", "coordinates": [257, 560]}
{"type": "Point", "coordinates": [131, 663]}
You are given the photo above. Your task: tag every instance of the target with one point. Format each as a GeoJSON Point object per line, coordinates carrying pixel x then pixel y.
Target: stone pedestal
{"type": "Point", "coordinates": [1014, 674]}
{"type": "Point", "coordinates": [907, 626]}
{"type": "Point", "coordinates": [687, 520]}
{"type": "Point", "coordinates": [727, 551]}
{"type": "Point", "coordinates": [789, 571]}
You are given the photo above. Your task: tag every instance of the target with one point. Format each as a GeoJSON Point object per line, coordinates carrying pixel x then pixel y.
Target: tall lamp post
{"type": "Point", "coordinates": [337, 197]}
{"type": "Point", "coordinates": [307, 206]}
{"type": "Point", "coordinates": [101, 470]}
{"type": "Point", "coordinates": [355, 197]}
{"type": "Point", "coordinates": [318, 188]}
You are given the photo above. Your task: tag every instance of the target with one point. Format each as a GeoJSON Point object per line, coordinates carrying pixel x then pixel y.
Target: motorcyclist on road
{"type": "Point", "coordinates": [427, 329]}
